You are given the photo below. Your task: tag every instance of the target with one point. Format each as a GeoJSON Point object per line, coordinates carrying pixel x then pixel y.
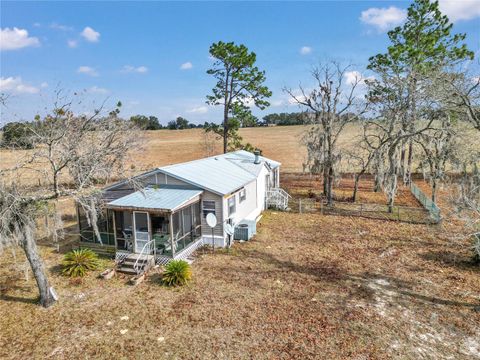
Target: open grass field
{"type": "Point", "coordinates": [164, 147]}
{"type": "Point", "coordinates": [308, 286]}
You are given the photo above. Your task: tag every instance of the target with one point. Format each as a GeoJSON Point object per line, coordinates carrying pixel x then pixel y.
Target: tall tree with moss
{"type": "Point", "coordinates": [239, 83]}
{"type": "Point", "coordinates": [422, 46]}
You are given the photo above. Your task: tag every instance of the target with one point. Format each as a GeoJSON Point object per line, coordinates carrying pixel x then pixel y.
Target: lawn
{"type": "Point", "coordinates": [307, 286]}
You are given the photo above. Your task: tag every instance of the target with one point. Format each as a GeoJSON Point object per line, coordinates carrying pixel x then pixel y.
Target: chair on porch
{"type": "Point", "coordinates": [162, 243]}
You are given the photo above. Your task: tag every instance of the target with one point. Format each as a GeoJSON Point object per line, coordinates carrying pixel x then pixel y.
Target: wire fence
{"type": "Point", "coordinates": [426, 202]}
{"type": "Point", "coordinates": [416, 215]}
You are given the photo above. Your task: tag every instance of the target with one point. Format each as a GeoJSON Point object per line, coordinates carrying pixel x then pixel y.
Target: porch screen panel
{"type": "Point", "coordinates": [177, 225]}
{"type": "Point", "coordinates": [104, 224]}
{"type": "Point", "coordinates": [196, 214]}
{"type": "Point", "coordinates": [187, 220]}
{"type": "Point", "coordinates": [86, 231]}
{"type": "Point", "coordinates": [123, 223]}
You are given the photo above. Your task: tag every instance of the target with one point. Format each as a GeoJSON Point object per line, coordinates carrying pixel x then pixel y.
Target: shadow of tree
{"type": "Point", "coordinates": [452, 259]}
{"type": "Point", "coordinates": [330, 272]}
{"type": "Point", "coordinates": [20, 299]}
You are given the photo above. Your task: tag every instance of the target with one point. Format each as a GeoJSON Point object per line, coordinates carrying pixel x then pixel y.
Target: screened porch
{"type": "Point", "coordinates": [163, 221]}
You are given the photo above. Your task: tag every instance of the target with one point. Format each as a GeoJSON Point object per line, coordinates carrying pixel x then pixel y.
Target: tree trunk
{"type": "Point", "coordinates": [376, 185]}
{"type": "Point", "coordinates": [355, 186]}
{"type": "Point", "coordinates": [225, 131]}
{"type": "Point", "coordinates": [325, 182]}
{"type": "Point", "coordinates": [411, 125]}
{"type": "Point", "coordinates": [38, 269]}
{"type": "Point", "coordinates": [402, 160]}
{"type": "Point", "coordinates": [330, 186]}
{"type": "Point", "coordinates": [408, 176]}
{"type": "Point", "coordinates": [434, 190]}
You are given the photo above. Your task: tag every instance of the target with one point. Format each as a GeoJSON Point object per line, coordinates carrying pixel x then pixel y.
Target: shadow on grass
{"type": "Point", "coordinates": [452, 259]}
{"type": "Point", "coordinates": [330, 272]}
{"type": "Point", "coordinates": [56, 269]}
{"type": "Point", "coordinates": [20, 299]}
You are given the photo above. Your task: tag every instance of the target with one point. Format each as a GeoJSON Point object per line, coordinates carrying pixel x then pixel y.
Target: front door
{"type": "Point", "coordinates": [141, 225]}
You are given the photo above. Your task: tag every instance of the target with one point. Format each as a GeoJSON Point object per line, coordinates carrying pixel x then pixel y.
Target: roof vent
{"type": "Point", "coordinates": [257, 157]}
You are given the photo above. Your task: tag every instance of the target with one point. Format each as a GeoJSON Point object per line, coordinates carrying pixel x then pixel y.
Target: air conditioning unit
{"type": "Point", "coordinates": [241, 232]}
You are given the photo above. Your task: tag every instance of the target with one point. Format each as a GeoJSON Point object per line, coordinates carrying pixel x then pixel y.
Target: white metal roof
{"type": "Point", "coordinates": [221, 174]}
{"type": "Point", "coordinates": [246, 160]}
{"type": "Point", "coordinates": [216, 174]}
{"type": "Point", "coordinates": [161, 197]}
{"type": "Point", "coordinates": [246, 155]}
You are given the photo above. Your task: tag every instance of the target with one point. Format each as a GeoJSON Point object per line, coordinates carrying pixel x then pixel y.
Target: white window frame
{"type": "Point", "coordinates": [232, 198]}
{"type": "Point", "coordinates": [206, 211]}
{"type": "Point", "coordinates": [242, 195]}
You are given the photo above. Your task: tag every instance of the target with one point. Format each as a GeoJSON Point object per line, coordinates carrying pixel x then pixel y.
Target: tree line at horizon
{"type": "Point", "coordinates": [16, 133]}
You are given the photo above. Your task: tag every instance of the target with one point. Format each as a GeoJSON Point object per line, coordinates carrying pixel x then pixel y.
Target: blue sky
{"type": "Point", "coordinates": [153, 56]}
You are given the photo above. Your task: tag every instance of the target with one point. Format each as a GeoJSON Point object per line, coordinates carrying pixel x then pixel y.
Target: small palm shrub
{"type": "Point", "coordinates": [78, 262]}
{"type": "Point", "coordinates": [177, 272]}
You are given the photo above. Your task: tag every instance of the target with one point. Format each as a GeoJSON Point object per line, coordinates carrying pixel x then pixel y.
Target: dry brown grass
{"type": "Point", "coordinates": [307, 286]}
{"type": "Point", "coordinates": [282, 143]}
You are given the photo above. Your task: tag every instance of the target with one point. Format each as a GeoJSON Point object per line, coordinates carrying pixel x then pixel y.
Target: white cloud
{"type": "Point", "coordinates": [13, 39]}
{"type": "Point", "coordinates": [44, 85]}
{"type": "Point", "coordinates": [305, 50]}
{"type": "Point", "coordinates": [186, 66]}
{"type": "Point", "coordinates": [133, 69]}
{"type": "Point", "coordinates": [383, 19]}
{"type": "Point", "coordinates": [72, 43]}
{"type": "Point", "coordinates": [352, 77]}
{"type": "Point", "coordinates": [278, 102]}
{"type": "Point", "coordinates": [60, 27]}
{"type": "Point", "coordinates": [97, 90]}
{"type": "Point", "coordinates": [87, 70]}
{"type": "Point", "coordinates": [90, 35]}
{"type": "Point", "coordinates": [16, 85]}
{"type": "Point", "coordinates": [198, 110]}
{"type": "Point", "coordinates": [460, 9]}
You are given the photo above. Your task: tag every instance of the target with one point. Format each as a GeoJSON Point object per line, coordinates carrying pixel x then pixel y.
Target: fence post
{"type": "Point", "coordinates": [398, 213]}
{"type": "Point", "coordinates": [300, 206]}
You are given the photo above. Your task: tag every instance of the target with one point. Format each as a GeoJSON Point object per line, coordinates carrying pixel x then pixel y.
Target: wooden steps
{"type": "Point", "coordinates": [127, 266]}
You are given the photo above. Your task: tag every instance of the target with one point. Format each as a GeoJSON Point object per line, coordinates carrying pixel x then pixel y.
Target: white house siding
{"type": "Point", "coordinates": [261, 188]}
{"type": "Point", "coordinates": [244, 208]}
{"type": "Point", "coordinates": [218, 230]}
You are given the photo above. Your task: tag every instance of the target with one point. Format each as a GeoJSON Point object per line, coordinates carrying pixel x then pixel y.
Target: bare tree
{"type": "Point", "coordinates": [461, 94]}
{"type": "Point", "coordinates": [332, 104]}
{"type": "Point", "coordinates": [437, 145]}
{"type": "Point", "coordinates": [209, 142]}
{"type": "Point", "coordinates": [73, 153]}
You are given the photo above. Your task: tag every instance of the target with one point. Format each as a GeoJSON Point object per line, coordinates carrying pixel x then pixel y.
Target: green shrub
{"type": "Point", "coordinates": [177, 272]}
{"type": "Point", "coordinates": [79, 262]}
{"type": "Point", "coordinates": [18, 135]}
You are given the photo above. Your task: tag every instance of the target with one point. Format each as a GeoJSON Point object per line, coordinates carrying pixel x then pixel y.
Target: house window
{"type": "Point", "coordinates": [242, 195]}
{"type": "Point", "coordinates": [208, 207]}
{"type": "Point", "coordinates": [231, 206]}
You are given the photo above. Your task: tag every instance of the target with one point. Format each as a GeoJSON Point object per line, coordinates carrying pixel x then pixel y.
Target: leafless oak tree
{"type": "Point", "coordinates": [73, 154]}
{"type": "Point", "coordinates": [332, 104]}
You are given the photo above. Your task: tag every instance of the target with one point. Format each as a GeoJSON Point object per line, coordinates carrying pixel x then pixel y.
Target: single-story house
{"type": "Point", "coordinates": [165, 217]}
